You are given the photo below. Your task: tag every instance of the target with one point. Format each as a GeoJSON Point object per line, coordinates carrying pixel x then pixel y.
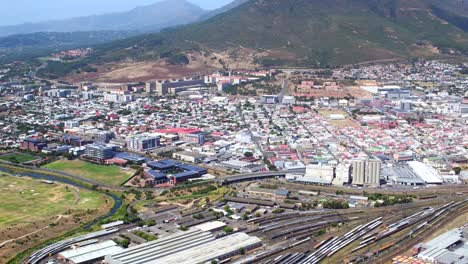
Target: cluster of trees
{"type": "Point", "coordinates": [334, 204]}
{"type": "Point", "coordinates": [387, 200]}
{"type": "Point", "coordinates": [57, 69]}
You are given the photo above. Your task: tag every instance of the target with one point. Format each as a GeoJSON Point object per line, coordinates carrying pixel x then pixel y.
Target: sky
{"type": "Point", "coordinates": [14, 12]}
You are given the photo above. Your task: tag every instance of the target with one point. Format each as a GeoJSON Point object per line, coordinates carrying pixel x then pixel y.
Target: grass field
{"type": "Point", "coordinates": [111, 175]}
{"type": "Point", "coordinates": [24, 200]}
{"type": "Point", "coordinates": [17, 157]}
{"type": "Point", "coordinates": [32, 212]}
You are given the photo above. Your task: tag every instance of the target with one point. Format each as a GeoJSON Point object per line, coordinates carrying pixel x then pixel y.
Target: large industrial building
{"type": "Point", "coordinates": [190, 247]}
{"type": "Point", "coordinates": [426, 172]}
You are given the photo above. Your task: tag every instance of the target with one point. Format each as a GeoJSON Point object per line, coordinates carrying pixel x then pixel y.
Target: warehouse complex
{"type": "Point", "coordinates": [449, 248]}
{"type": "Point", "coordinates": [193, 246]}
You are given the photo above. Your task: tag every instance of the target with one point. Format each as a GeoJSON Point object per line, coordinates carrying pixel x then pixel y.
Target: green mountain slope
{"type": "Point", "coordinates": [311, 32]}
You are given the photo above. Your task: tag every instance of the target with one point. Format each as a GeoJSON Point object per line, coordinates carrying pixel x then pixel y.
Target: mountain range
{"type": "Point", "coordinates": [314, 32]}
{"type": "Point", "coordinates": [145, 18]}
{"type": "Point", "coordinates": [22, 42]}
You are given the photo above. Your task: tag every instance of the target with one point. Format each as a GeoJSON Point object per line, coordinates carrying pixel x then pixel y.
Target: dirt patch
{"type": "Point", "coordinates": [141, 71]}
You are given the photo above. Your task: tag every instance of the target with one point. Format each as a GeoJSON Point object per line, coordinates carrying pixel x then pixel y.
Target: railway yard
{"type": "Point", "coordinates": [293, 224]}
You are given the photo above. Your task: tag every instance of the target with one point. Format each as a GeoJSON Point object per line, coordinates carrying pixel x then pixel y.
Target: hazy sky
{"type": "Point", "coordinates": [21, 11]}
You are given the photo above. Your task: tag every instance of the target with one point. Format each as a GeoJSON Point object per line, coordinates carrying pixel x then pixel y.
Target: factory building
{"type": "Point", "coordinates": [190, 247]}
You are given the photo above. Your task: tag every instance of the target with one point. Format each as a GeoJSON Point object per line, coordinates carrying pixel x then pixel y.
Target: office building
{"type": "Point", "coordinates": [119, 98]}
{"type": "Point", "coordinates": [150, 87]}
{"type": "Point", "coordinates": [195, 138]}
{"type": "Point", "coordinates": [168, 87]}
{"type": "Point", "coordinates": [143, 143]}
{"type": "Point", "coordinates": [99, 152]}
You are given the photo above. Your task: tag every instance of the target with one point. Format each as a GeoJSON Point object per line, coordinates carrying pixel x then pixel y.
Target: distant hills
{"type": "Point", "coordinates": [26, 41]}
{"type": "Point", "coordinates": [313, 32]}
{"type": "Point", "coordinates": [145, 18]}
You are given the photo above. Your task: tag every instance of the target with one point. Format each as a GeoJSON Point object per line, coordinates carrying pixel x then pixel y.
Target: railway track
{"type": "Point", "coordinates": [401, 246]}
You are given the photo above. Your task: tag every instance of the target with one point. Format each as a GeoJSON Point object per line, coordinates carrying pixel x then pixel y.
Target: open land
{"type": "Point", "coordinates": [32, 212]}
{"type": "Point", "coordinates": [111, 175]}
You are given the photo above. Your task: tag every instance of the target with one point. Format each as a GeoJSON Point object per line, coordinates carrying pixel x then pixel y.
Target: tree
{"type": "Point", "coordinates": [457, 170]}
{"type": "Point", "coordinates": [248, 154]}
{"type": "Point", "coordinates": [228, 229]}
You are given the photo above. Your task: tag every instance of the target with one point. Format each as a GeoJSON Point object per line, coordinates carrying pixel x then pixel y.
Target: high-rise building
{"type": "Point", "coordinates": [150, 87]}
{"type": "Point", "coordinates": [373, 172]}
{"type": "Point", "coordinates": [359, 171]}
{"type": "Point", "coordinates": [366, 172]}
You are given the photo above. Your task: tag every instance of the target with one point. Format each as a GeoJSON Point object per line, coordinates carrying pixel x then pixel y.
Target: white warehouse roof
{"type": "Point", "coordinates": [191, 247]}
{"type": "Point", "coordinates": [209, 226]}
{"type": "Point", "coordinates": [425, 172]}
{"type": "Point", "coordinates": [91, 252]}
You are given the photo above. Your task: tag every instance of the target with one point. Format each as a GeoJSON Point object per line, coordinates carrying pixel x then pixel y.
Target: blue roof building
{"type": "Point", "coordinates": [184, 176]}
{"type": "Point", "coordinates": [130, 157]}
{"type": "Point", "coordinates": [156, 177]}
{"type": "Point", "coordinates": [163, 165]}
{"type": "Point", "coordinates": [199, 170]}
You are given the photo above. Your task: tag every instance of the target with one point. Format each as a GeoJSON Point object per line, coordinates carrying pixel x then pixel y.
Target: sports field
{"type": "Point", "coordinates": [111, 175]}
{"type": "Point", "coordinates": [17, 157]}
{"type": "Point", "coordinates": [32, 211]}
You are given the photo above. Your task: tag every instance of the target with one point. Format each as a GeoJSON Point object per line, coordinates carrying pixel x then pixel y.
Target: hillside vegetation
{"type": "Point", "coordinates": [308, 33]}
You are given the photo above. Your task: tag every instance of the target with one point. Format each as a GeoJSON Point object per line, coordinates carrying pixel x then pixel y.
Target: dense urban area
{"type": "Point", "coordinates": [361, 164]}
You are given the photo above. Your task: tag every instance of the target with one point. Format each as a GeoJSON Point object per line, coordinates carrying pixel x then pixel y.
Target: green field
{"type": "Point", "coordinates": [17, 157]}
{"type": "Point", "coordinates": [111, 175]}
{"type": "Point", "coordinates": [25, 201]}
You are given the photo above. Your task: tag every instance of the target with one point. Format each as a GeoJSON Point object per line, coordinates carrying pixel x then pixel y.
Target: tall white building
{"type": "Point", "coordinates": [366, 172]}
{"type": "Point", "coordinates": [359, 171]}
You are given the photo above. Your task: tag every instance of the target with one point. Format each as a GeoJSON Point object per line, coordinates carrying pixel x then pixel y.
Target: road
{"type": "Point", "coordinates": [254, 139]}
